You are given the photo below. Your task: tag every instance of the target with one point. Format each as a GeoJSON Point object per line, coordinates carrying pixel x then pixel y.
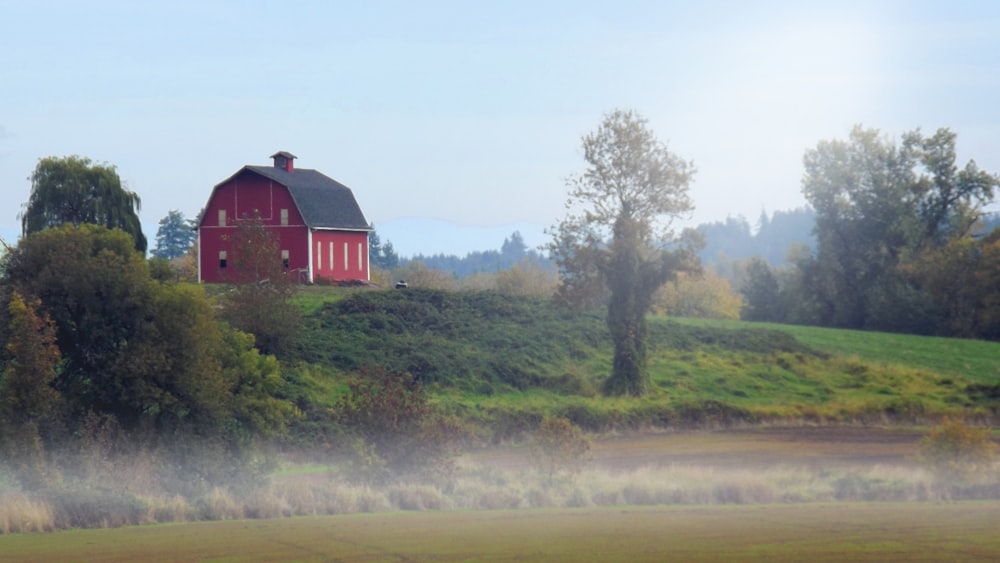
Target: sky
{"type": "Point", "coordinates": [456, 123]}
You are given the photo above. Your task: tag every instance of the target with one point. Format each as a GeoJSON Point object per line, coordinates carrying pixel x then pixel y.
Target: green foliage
{"type": "Point", "coordinates": [954, 451]}
{"type": "Point", "coordinates": [76, 191]}
{"type": "Point", "coordinates": [621, 210]}
{"type": "Point", "coordinates": [148, 357]}
{"type": "Point", "coordinates": [483, 342]}
{"type": "Point", "coordinates": [558, 447]}
{"type": "Point", "coordinates": [174, 236]}
{"type": "Point", "coordinates": [962, 278]}
{"type": "Point", "coordinates": [877, 205]}
{"type": "Point", "coordinates": [503, 363]}
{"type": "Point", "coordinates": [30, 408]}
{"type": "Point", "coordinates": [761, 293]}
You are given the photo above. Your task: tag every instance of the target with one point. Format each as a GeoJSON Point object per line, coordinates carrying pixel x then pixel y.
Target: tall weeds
{"type": "Point", "coordinates": [490, 488]}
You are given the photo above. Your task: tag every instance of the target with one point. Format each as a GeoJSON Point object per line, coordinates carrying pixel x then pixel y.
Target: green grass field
{"type": "Point", "coordinates": [831, 532]}
{"type": "Point", "coordinates": [976, 360]}
{"type": "Point", "coordinates": [502, 362]}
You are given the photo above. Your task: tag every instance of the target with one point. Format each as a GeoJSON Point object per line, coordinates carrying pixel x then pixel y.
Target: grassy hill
{"type": "Point", "coordinates": [506, 361]}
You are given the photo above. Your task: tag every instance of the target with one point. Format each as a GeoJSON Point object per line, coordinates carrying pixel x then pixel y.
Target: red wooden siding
{"type": "Point", "coordinates": [345, 266]}
{"type": "Point", "coordinates": [244, 196]}
{"type": "Point", "coordinates": [249, 194]}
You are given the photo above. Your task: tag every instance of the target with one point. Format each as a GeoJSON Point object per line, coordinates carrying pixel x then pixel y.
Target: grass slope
{"type": "Point", "coordinates": [506, 361]}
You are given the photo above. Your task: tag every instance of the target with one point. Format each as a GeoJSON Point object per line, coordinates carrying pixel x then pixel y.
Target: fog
{"type": "Point", "coordinates": [762, 466]}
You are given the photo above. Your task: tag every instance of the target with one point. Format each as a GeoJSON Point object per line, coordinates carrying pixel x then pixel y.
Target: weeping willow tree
{"type": "Point", "coordinates": [75, 190]}
{"type": "Point", "coordinates": [618, 240]}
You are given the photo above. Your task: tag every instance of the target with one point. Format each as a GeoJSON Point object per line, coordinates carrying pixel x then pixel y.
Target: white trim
{"type": "Point", "coordinates": [309, 250]}
{"type": "Point", "coordinates": [347, 261]}
{"type": "Point", "coordinates": [199, 256]}
{"type": "Point", "coordinates": [365, 230]}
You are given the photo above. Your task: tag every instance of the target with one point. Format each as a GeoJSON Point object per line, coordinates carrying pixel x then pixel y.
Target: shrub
{"type": "Point", "coordinates": [558, 446]}
{"type": "Point", "coordinates": [954, 451]}
{"type": "Point", "coordinates": [88, 508]}
{"type": "Point", "coordinates": [395, 430]}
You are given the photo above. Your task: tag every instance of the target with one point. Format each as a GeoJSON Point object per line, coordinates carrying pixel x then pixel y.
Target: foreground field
{"type": "Point", "coordinates": [858, 532]}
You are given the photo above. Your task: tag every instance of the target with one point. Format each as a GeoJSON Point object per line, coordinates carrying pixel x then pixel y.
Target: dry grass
{"type": "Point", "coordinates": [489, 488]}
{"type": "Point", "coordinates": [753, 466]}
{"type": "Point", "coordinates": [18, 513]}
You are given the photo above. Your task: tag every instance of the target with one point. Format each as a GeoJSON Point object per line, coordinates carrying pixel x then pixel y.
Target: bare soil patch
{"type": "Point", "coordinates": [814, 447]}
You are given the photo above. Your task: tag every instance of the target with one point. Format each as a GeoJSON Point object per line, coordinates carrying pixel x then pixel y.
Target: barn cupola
{"type": "Point", "coordinates": [283, 160]}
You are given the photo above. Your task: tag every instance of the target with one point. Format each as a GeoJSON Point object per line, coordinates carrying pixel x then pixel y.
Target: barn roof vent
{"type": "Point", "coordinates": [283, 159]}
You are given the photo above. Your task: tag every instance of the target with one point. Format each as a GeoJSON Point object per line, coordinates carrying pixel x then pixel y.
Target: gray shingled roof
{"type": "Point", "coordinates": [323, 202]}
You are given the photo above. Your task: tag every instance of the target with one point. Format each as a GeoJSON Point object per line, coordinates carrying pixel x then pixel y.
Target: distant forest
{"type": "Point", "coordinates": [771, 238]}
{"type": "Point", "coordinates": [513, 251]}
{"type": "Point", "coordinates": [733, 240]}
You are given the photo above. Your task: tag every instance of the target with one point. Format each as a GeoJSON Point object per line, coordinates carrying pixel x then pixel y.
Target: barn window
{"type": "Point", "coordinates": [361, 259]}
{"type": "Point", "coordinates": [319, 256]}
{"type": "Point", "coordinates": [222, 217]}
{"type": "Point", "coordinates": [345, 256]}
{"type": "Point", "coordinates": [222, 259]}
{"type": "Point", "coordinates": [284, 259]}
{"type": "Point", "coordinates": [331, 255]}
{"type": "Point", "coordinates": [284, 216]}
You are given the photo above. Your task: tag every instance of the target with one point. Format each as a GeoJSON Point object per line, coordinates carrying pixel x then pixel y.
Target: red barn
{"type": "Point", "coordinates": [319, 225]}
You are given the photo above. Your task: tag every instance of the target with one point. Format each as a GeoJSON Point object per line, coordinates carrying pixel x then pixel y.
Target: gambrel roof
{"type": "Point", "coordinates": [323, 202]}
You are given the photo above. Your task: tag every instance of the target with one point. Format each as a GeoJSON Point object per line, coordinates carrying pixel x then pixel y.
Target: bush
{"type": "Point", "coordinates": [88, 508]}
{"type": "Point", "coordinates": [558, 446]}
{"type": "Point", "coordinates": [395, 431]}
{"type": "Point", "coordinates": [954, 451]}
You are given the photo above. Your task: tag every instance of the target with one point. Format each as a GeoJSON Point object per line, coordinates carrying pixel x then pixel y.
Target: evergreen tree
{"type": "Point", "coordinates": [381, 255]}
{"type": "Point", "coordinates": [174, 237]}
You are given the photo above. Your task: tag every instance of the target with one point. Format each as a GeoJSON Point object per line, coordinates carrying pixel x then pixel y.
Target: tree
{"type": "Point", "coordinates": [380, 254]}
{"type": "Point", "coordinates": [29, 405]}
{"type": "Point", "coordinates": [963, 278]}
{"type": "Point", "coordinates": [74, 190]}
{"type": "Point", "coordinates": [619, 231]}
{"type": "Point", "coordinates": [174, 237]}
{"type": "Point", "coordinates": [705, 296]}
{"type": "Point", "coordinates": [761, 293]}
{"type": "Point", "coordinates": [513, 248]}
{"type": "Point", "coordinates": [877, 204]}
{"type": "Point", "coordinates": [259, 298]}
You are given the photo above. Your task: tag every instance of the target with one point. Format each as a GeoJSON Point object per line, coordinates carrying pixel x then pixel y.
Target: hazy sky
{"type": "Point", "coordinates": [472, 112]}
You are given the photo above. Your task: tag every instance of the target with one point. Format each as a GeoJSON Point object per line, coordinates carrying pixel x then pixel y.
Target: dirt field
{"type": "Point", "coordinates": [829, 532]}
{"type": "Point", "coordinates": [814, 447]}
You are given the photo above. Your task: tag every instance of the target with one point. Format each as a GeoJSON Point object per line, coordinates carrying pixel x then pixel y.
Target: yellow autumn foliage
{"type": "Point", "coordinates": [706, 295]}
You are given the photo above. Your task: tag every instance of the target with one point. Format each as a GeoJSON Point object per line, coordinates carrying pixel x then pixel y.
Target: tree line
{"type": "Point", "coordinates": [901, 242]}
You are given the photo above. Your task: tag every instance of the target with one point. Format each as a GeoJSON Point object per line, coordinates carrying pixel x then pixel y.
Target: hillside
{"type": "Point", "coordinates": [504, 362]}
